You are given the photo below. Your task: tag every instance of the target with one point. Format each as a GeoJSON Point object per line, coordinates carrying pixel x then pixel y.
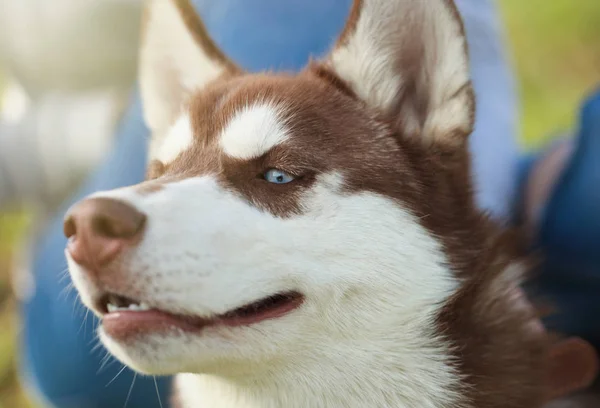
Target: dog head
{"type": "Point", "coordinates": [288, 217]}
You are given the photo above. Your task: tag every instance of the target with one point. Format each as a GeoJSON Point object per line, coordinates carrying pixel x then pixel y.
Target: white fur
{"type": "Point", "coordinates": [178, 139]}
{"type": "Point", "coordinates": [172, 65]}
{"type": "Point", "coordinates": [252, 132]}
{"type": "Point", "coordinates": [374, 61]}
{"type": "Point", "coordinates": [373, 278]}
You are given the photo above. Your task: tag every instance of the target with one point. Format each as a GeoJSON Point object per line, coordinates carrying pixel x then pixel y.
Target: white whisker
{"type": "Point", "coordinates": [115, 377]}
{"type": "Point", "coordinates": [157, 392]}
{"type": "Point", "coordinates": [130, 389]}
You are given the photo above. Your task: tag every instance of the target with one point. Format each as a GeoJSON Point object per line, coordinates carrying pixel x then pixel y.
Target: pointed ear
{"type": "Point", "coordinates": [408, 60]}
{"type": "Point", "coordinates": [177, 57]}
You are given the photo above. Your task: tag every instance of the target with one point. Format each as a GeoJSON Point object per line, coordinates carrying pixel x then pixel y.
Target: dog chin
{"type": "Point", "coordinates": [170, 353]}
{"type": "Point", "coordinates": [154, 354]}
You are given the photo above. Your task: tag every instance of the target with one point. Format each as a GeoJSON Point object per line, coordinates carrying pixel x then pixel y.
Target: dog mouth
{"type": "Point", "coordinates": [123, 317]}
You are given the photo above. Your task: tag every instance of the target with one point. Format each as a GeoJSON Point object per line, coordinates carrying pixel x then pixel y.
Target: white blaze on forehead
{"type": "Point", "coordinates": [178, 139]}
{"type": "Point", "coordinates": [253, 131]}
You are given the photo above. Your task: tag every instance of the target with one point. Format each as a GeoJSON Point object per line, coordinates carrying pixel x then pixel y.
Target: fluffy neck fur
{"type": "Point", "coordinates": [397, 362]}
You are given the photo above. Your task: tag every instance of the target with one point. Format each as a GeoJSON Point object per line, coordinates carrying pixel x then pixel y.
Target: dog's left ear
{"type": "Point", "coordinates": [177, 58]}
{"type": "Point", "coordinates": [408, 60]}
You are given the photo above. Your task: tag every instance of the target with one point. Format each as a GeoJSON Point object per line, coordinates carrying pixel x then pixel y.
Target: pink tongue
{"type": "Point", "coordinates": [121, 325]}
{"type": "Point", "coordinates": [124, 324]}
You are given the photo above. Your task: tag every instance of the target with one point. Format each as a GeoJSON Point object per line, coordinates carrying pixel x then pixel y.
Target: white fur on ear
{"type": "Point", "coordinates": [408, 59]}
{"type": "Point", "coordinates": [177, 57]}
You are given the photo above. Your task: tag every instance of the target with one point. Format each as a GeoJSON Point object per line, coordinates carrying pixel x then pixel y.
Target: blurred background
{"type": "Point", "coordinates": [554, 46]}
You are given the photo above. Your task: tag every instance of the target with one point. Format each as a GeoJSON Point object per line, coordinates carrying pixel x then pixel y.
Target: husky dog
{"type": "Point", "coordinates": [311, 240]}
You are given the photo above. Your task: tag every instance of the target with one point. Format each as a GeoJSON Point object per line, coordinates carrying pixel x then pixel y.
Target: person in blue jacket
{"type": "Point", "coordinates": [63, 368]}
{"type": "Point", "coordinates": [560, 194]}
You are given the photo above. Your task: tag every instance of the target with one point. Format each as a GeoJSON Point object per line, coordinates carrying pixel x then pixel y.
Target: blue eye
{"type": "Point", "coordinates": [278, 177]}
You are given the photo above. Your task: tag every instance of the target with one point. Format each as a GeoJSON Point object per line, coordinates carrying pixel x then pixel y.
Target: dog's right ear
{"type": "Point", "coordinates": [177, 57]}
{"type": "Point", "coordinates": [408, 60]}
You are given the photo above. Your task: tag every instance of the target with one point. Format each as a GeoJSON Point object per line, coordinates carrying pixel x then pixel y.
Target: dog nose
{"type": "Point", "coordinates": [100, 228]}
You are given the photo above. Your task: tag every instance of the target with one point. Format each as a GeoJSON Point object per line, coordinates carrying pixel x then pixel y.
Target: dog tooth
{"type": "Point", "coordinates": [132, 307]}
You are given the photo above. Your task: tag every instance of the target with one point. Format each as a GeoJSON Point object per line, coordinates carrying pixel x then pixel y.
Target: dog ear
{"type": "Point", "coordinates": [574, 366]}
{"type": "Point", "coordinates": [408, 59]}
{"type": "Point", "coordinates": [177, 57]}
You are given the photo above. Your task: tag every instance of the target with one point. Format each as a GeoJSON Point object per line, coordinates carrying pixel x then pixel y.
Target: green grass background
{"type": "Point", "coordinates": [556, 53]}
{"type": "Point", "coordinates": [555, 49]}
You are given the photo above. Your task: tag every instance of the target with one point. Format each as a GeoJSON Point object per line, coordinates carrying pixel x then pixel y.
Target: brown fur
{"type": "Point", "coordinates": [351, 23]}
{"type": "Point", "coordinates": [198, 30]}
{"type": "Point", "coordinates": [495, 349]}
